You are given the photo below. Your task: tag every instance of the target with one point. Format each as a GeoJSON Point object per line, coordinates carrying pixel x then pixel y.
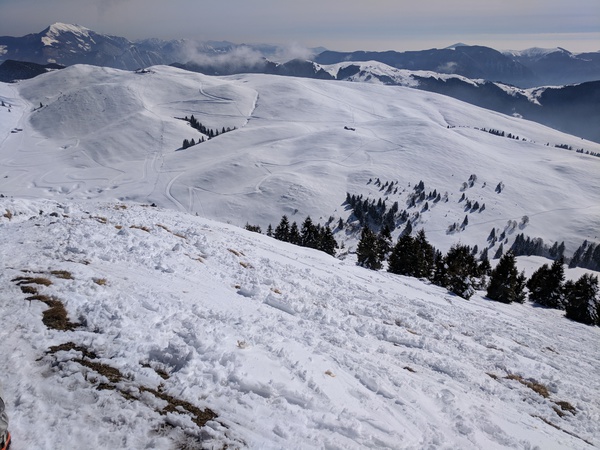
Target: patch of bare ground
{"type": "Point", "coordinates": [63, 274]}
{"type": "Point", "coordinates": [55, 316]}
{"type": "Point", "coordinates": [140, 227]}
{"type": "Point", "coordinates": [32, 280]}
{"type": "Point", "coordinates": [118, 382]}
{"type": "Point", "coordinates": [531, 384]}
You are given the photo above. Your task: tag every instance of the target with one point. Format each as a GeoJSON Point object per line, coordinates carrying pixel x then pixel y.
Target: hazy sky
{"type": "Point", "coordinates": [338, 25]}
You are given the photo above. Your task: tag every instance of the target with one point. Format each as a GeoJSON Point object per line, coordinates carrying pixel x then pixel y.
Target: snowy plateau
{"type": "Point", "coordinates": [132, 326]}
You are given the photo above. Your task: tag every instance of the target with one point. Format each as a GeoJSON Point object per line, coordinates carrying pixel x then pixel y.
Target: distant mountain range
{"type": "Point", "coordinates": [73, 44]}
{"type": "Point", "coordinates": [478, 75]}
{"type": "Point", "coordinates": [528, 68]}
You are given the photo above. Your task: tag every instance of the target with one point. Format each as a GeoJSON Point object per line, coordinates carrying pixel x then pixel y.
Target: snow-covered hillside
{"type": "Point", "coordinates": [299, 146]}
{"type": "Point", "coordinates": [181, 332]}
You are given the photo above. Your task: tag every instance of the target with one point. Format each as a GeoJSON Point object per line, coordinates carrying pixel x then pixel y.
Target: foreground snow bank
{"type": "Point", "coordinates": [187, 333]}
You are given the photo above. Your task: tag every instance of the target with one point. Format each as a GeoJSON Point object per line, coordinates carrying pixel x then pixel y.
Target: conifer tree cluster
{"type": "Point", "coordinates": [208, 132]}
{"type": "Point", "coordinates": [371, 213]}
{"type": "Point", "coordinates": [535, 246]}
{"type": "Point", "coordinates": [309, 235]}
{"type": "Point", "coordinates": [506, 284]}
{"type": "Point", "coordinates": [586, 256]}
{"type": "Point", "coordinates": [579, 299]}
{"type": "Point", "coordinates": [458, 271]}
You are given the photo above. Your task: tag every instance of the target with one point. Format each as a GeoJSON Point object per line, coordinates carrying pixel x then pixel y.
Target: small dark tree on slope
{"type": "Point", "coordinates": [423, 254]}
{"type": "Point", "coordinates": [461, 269]}
{"type": "Point", "coordinates": [582, 300]}
{"type": "Point", "coordinates": [546, 285]}
{"type": "Point", "coordinates": [506, 283]}
{"type": "Point", "coordinates": [384, 242]}
{"type": "Point", "coordinates": [294, 235]}
{"type": "Point", "coordinates": [401, 259]}
{"type": "Point", "coordinates": [309, 233]}
{"type": "Point", "coordinates": [367, 251]}
{"type": "Point", "coordinates": [282, 231]}
{"type": "Point", "coordinates": [327, 242]}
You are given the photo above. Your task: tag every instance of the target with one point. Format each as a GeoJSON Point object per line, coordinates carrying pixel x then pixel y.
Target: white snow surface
{"type": "Point", "coordinates": [289, 347]}
{"type": "Point", "coordinates": [56, 29]}
{"type": "Point", "coordinates": [106, 134]}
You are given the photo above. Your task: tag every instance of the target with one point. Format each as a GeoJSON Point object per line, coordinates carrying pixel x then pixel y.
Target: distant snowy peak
{"type": "Point", "coordinates": [535, 52]}
{"type": "Point", "coordinates": [381, 73]}
{"type": "Point", "coordinates": [54, 31]}
{"type": "Point", "coordinates": [458, 44]}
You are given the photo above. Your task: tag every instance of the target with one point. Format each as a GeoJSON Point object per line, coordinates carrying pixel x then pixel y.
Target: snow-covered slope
{"type": "Point", "coordinates": [187, 333]}
{"type": "Point", "coordinates": [108, 134]}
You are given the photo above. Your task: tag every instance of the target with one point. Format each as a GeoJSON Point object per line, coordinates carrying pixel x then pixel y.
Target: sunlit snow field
{"type": "Point", "coordinates": [184, 332]}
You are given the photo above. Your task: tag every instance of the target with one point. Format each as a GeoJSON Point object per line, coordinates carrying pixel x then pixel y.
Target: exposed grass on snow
{"type": "Point", "coordinates": [63, 274]}
{"type": "Point", "coordinates": [539, 388]}
{"type": "Point", "coordinates": [32, 280]}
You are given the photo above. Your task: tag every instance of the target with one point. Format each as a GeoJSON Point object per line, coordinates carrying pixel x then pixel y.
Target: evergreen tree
{"type": "Point", "coordinates": [309, 234]}
{"type": "Point", "coordinates": [294, 235]}
{"type": "Point", "coordinates": [282, 231]}
{"type": "Point", "coordinates": [582, 300]}
{"type": "Point", "coordinates": [367, 251]}
{"type": "Point", "coordinates": [506, 284]}
{"type": "Point", "coordinates": [270, 231]}
{"type": "Point", "coordinates": [401, 259]}
{"type": "Point", "coordinates": [423, 256]}
{"type": "Point", "coordinates": [328, 244]}
{"type": "Point", "coordinates": [499, 252]}
{"type": "Point", "coordinates": [439, 269]}
{"type": "Point", "coordinates": [546, 285]}
{"type": "Point", "coordinates": [461, 269]}
{"type": "Point", "coordinates": [384, 242]}
{"type": "Point", "coordinates": [254, 228]}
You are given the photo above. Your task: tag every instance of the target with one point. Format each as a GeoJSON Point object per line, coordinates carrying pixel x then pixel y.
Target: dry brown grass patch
{"type": "Point", "coordinates": [531, 384]}
{"type": "Point", "coordinates": [8, 214]}
{"type": "Point", "coordinates": [55, 316]}
{"type": "Point", "coordinates": [410, 369]}
{"type": "Point", "coordinates": [564, 406]}
{"type": "Point", "coordinates": [100, 281]}
{"type": "Point", "coordinates": [245, 265]}
{"type": "Point", "coordinates": [140, 227]}
{"type": "Point", "coordinates": [102, 220]}
{"type": "Point", "coordinates": [160, 372]}
{"type": "Point", "coordinates": [175, 405]}
{"type": "Point", "coordinates": [63, 274]}
{"type": "Point", "coordinates": [32, 280]}
{"type": "Point", "coordinates": [235, 252]}
{"type": "Point", "coordinates": [68, 346]}
{"type": "Point", "coordinates": [29, 290]}
{"type": "Point", "coordinates": [113, 374]}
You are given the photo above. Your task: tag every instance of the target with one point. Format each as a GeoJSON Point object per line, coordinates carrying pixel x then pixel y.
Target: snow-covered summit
{"type": "Point", "coordinates": [536, 52]}
{"type": "Point", "coordinates": [54, 31]}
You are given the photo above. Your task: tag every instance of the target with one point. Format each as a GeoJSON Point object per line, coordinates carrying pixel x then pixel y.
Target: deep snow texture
{"type": "Point", "coordinates": [289, 347]}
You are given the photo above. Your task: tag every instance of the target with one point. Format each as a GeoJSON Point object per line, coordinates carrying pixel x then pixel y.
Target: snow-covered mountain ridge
{"type": "Point", "coordinates": [107, 134]}
{"type": "Point", "coordinates": [187, 333]}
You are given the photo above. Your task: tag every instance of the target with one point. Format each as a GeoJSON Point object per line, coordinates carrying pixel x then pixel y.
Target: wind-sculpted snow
{"type": "Point", "coordinates": [286, 346]}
